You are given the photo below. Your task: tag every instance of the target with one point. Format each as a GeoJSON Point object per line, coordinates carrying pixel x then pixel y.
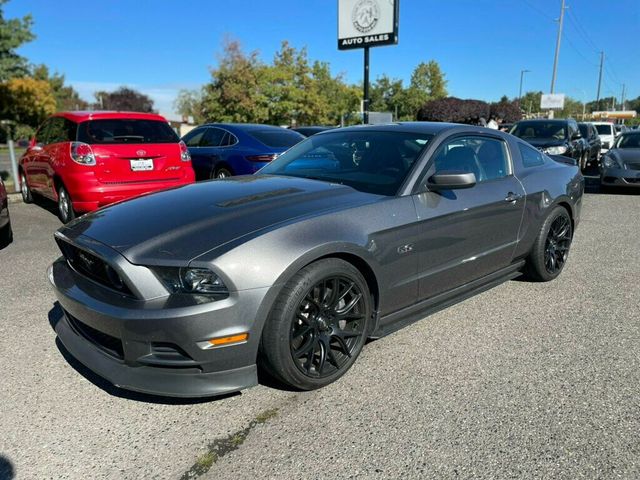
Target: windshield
{"type": "Point", "coordinates": [604, 129]}
{"type": "Point", "coordinates": [553, 130]}
{"type": "Point", "coordinates": [126, 130]}
{"type": "Point", "coordinates": [369, 161]}
{"type": "Point", "coordinates": [277, 138]}
{"type": "Point", "coordinates": [631, 140]}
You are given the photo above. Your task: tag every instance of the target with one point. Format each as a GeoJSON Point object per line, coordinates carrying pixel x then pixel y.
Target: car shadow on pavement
{"type": "Point", "coordinates": [7, 471]}
{"type": "Point", "coordinates": [46, 204]}
{"type": "Point", "coordinates": [55, 315]}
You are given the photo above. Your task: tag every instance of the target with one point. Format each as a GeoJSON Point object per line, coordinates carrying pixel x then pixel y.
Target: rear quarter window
{"type": "Point", "coordinates": [120, 130]}
{"type": "Point", "coordinates": [275, 138]}
{"type": "Point", "coordinates": [530, 156]}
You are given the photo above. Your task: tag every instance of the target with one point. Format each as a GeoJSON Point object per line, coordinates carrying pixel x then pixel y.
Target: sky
{"type": "Point", "coordinates": [161, 46]}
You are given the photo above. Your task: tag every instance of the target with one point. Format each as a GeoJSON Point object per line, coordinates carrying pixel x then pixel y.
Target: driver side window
{"type": "Point", "coordinates": [487, 158]}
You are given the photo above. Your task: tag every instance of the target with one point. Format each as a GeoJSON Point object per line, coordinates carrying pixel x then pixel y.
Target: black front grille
{"type": "Point", "coordinates": [633, 166]}
{"type": "Point", "coordinates": [106, 343]}
{"type": "Point", "coordinates": [93, 267]}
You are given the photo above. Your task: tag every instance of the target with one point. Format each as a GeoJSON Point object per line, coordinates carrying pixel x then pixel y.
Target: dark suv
{"type": "Point", "coordinates": [593, 142]}
{"type": "Point", "coordinates": [553, 137]}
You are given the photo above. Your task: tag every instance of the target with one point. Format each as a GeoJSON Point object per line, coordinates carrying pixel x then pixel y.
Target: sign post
{"type": "Point", "coordinates": [365, 24]}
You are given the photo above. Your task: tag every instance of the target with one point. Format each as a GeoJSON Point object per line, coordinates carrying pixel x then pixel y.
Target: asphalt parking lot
{"type": "Point", "coordinates": [523, 381]}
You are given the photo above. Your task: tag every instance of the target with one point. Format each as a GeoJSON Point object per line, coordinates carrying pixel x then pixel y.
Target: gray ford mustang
{"type": "Point", "coordinates": [351, 234]}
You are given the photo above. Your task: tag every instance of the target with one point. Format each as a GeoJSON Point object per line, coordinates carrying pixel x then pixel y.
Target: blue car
{"type": "Point", "coordinates": [220, 150]}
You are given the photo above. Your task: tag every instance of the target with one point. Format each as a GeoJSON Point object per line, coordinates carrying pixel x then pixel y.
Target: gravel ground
{"type": "Point", "coordinates": [524, 381]}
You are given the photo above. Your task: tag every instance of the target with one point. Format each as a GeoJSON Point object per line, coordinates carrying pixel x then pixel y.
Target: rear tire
{"type": "Point", "coordinates": [551, 248]}
{"type": "Point", "coordinates": [66, 213]}
{"type": "Point", "coordinates": [222, 172]}
{"type": "Point", "coordinates": [27, 197]}
{"type": "Point", "coordinates": [318, 325]}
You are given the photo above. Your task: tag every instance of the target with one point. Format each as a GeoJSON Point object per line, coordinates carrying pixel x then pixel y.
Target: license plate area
{"type": "Point", "coordinates": [141, 164]}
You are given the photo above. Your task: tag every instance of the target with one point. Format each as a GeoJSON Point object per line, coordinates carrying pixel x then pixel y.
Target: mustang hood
{"type": "Point", "coordinates": [177, 225]}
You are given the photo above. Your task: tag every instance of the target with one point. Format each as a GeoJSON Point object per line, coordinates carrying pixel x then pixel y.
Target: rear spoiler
{"type": "Point", "coordinates": [563, 159]}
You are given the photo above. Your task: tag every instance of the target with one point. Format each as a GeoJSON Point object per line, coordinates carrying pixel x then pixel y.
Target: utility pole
{"type": "Point", "coordinates": [623, 91]}
{"type": "Point", "coordinates": [555, 60]}
{"type": "Point", "coordinates": [365, 103]}
{"type": "Point", "coordinates": [600, 80]}
{"type": "Point", "coordinates": [522, 72]}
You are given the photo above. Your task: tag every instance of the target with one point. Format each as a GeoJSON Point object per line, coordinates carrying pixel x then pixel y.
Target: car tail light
{"type": "Point", "coordinates": [81, 153]}
{"type": "Point", "coordinates": [185, 156]}
{"type": "Point", "coordinates": [262, 158]}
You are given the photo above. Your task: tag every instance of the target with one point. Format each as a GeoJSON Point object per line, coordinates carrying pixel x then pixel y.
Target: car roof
{"type": "Point", "coordinates": [245, 126]}
{"type": "Point", "coordinates": [408, 127]}
{"type": "Point", "coordinates": [548, 120]}
{"type": "Point", "coordinates": [84, 115]}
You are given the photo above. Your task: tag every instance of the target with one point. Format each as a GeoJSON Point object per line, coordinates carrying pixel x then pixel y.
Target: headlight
{"type": "Point", "coordinates": [609, 162]}
{"type": "Point", "coordinates": [200, 281]}
{"type": "Point", "coordinates": [555, 150]}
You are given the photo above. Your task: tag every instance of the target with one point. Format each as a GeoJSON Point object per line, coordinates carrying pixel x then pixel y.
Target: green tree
{"type": "Point", "coordinates": [124, 99]}
{"type": "Point", "coordinates": [235, 91]}
{"type": "Point", "coordinates": [530, 102]}
{"type": "Point", "coordinates": [427, 83]}
{"type": "Point", "coordinates": [389, 95]}
{"type": "Point", "coordinates": [13, 34]}
{"type": "Point", "coordinates": [26, 100]}
{"type": "Point", "coordinates": [67, 98]}
{"type": "Point", "coordinates": [343, 101]}
{"type": "Point", "coordinates": [188, 103]}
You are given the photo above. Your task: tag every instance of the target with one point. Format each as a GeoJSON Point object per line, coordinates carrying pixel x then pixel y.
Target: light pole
{"type": "Point", "coordinates": [522, 72]}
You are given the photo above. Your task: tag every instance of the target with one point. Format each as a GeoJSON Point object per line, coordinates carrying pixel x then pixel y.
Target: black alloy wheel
{"type": "Point", "coordinates": [551, 247]}
{"type": "Point", "coordinates": [328, 326]}
{"type": "Point", "coordinates": [318, 325]}
{"type": "Point", "coordinates": [557, 245]}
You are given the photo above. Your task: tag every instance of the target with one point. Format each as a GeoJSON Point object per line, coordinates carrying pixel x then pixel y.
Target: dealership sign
{"type": "Point", "coordinates": [552, 101]}
{"type": "Point", "coordinates": [367, 23]}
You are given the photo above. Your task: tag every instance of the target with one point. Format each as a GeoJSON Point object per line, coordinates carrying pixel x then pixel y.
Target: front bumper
{"type": "Point", "coordinates": [620, 177]}
{"type": "Point", "coordinates": [153, 346]}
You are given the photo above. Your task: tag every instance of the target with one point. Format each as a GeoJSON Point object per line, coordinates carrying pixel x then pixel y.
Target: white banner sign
{"type": "Point", "coordinates": [367, 23]}
{"type": "Point", "coordinates": [552, 101]}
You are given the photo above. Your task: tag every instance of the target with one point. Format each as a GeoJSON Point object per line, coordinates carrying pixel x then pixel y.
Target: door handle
{"type": "Point", "coordinates": [512, 197]}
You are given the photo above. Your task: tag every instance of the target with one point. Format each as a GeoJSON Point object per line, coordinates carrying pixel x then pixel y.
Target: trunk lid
{"type": "Point", "coordinates": [138, 163]}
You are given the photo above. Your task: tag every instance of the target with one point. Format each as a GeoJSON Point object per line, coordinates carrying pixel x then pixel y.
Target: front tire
{"type": "Point", "coordinates": [65, 206]}
{"type": "Point", "coordinates": [551, 248]}
{"type": "Point", "coordinates": [318, 325]}
{"type": "Point", "coordinates": [25, 191]}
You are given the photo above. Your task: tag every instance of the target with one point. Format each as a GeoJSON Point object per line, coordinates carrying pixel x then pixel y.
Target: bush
{"type": "Point", "coordinates": [454, 110]}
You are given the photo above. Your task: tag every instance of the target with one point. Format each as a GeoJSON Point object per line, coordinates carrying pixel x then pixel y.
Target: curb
{"type": "Point", "coordinates": [14, 197]}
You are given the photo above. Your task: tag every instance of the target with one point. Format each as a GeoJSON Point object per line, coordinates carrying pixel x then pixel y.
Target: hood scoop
{"type": "Point", "coordinates": [258, 196]}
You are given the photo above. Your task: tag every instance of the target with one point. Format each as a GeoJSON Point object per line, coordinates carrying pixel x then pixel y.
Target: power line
{"type": "Point", "coordinates": [582, 31]}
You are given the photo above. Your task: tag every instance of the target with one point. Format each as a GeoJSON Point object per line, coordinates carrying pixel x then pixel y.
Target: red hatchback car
{"type": "Point", "coordinates": [85, 160]}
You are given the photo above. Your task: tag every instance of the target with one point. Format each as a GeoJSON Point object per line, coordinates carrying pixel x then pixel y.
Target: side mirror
{"type": "Point", "coordinates": [449, 180]}
{"type": "Point", "coordinates": [576, 136]}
